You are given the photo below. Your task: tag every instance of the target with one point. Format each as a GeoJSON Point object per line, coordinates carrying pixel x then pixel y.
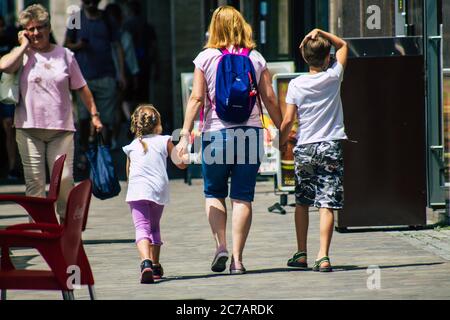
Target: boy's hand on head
{"type": "Point", "coordinates": [312, 35]}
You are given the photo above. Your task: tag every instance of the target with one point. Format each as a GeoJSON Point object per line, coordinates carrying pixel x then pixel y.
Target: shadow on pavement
{"type": "Point", "coordinates": [106, 241]}
{"type": "Point", "coordinates": [277, 270]}
{"type": "Point", "coordinates": [22, 262]}
{"type": "Point", "coordinates": [16, 216]}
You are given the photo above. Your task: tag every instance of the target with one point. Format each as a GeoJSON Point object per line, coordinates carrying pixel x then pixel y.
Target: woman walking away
{"type": "Point", "coordinates": [232, 128]}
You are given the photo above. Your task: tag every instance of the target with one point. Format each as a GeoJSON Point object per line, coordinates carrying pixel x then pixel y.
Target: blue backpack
{"type": "Point", "coordinates": [236, 87]}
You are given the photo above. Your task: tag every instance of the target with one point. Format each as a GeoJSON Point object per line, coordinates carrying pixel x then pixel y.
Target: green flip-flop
{"type": "Point", "coordinates": [294, 263]}
{"type": "Point", "coordinates": [318, 265]}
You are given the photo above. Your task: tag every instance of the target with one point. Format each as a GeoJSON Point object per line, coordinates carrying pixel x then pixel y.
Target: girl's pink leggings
{"type": "Point", "coordinates": [147, 216]}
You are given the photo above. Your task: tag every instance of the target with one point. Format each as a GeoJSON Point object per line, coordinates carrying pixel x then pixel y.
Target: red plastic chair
{"type": "Point", "coordinates": [42, 210]}
{"type": "Point", "coordinates": [60, 246]}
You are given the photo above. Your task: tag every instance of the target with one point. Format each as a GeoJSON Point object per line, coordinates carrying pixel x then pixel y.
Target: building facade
{"type": "Point", "coordinates": [375, 28]}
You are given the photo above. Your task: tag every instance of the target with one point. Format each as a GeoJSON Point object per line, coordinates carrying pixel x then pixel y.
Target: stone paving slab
{"type": "Point", "coordinates": [407, 271]}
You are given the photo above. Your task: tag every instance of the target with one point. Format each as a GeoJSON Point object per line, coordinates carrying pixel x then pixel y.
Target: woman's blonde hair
{"type": "Point", "coordinates": [35, 12]}
{"type": "Point", "coordinates": [144, 121]}
{"type": "Point", "coordinates": [228, 27]}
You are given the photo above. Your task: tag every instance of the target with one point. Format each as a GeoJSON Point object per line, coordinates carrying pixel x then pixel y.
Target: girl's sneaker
{"type": "Point", "coordinates": [158, 272]}
{"type": "Point", "coordinates": [147, 272]}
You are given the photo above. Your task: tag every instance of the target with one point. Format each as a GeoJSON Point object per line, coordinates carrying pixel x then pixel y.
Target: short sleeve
{"type": "Point", "coordinates": [77, 80]}
{"type": "Point", "coordinates": [259, 61]}
{"type": "Point", "coordinates": [291, 97]}
{"type": "Point", "coordinates": [337, 70]}
{"type": "Point", "coordinates": [200, 61]}
{"type": "Point", "coordinates": [127, 150]}
{"type": "Point", "coordinates": [164, 141]}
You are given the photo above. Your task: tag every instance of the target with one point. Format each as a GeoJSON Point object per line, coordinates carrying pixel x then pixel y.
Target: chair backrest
{"type": "Point", "coordinates": [76, 217]}
{"type": "Point", "coordinates": [55, 179]}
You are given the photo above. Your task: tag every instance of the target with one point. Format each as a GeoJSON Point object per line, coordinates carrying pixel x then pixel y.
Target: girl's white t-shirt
{"type": "Point", "coordinates": [148, 179]}
{"type": "Point", "coordinates": [208, 61]}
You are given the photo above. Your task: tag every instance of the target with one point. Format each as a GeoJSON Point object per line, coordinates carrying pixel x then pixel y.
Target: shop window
{"type": "Point", "coordinates": [376, 18]}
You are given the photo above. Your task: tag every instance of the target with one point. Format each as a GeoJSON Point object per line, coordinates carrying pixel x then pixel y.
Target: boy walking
{"type": "Point", "coordinates": [319, 164]}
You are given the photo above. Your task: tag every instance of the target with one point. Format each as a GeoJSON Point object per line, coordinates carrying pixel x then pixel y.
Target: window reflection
{"type": "Point", "coordinates": [376, 18]}
{"type": "Point", "coordinates": [283, 27]}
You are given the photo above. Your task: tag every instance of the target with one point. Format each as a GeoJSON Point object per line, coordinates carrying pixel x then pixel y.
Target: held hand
{"type": "Point", "coordinates": [182, 146]}
{"type": "Point", "coordinates": [186, 158]}
{"type": "Point", "coordinates": [23, 39]}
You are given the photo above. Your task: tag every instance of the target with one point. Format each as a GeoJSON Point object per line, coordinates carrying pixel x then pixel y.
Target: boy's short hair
{"type": "Point", "coordinates": [315, 51]}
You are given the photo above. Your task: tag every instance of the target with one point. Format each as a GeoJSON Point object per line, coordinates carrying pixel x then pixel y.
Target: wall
{"type": "Point", "coordinates": [188, 38]}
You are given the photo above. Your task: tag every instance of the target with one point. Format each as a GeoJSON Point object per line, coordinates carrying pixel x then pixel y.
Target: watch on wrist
{"type": "Point", "coordinates": [97, 114]}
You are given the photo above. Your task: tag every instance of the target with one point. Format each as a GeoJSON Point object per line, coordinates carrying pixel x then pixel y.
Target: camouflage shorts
{"type": "Point", "coordinates": [319, 175]}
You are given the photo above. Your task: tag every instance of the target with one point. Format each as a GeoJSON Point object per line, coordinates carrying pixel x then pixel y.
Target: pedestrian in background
{"type": "Point", "coordinates": [148, 186]}
{"type": "Point", "coordinates": [7, 42]}
{"type": "Point", "coordinates": [93, 44]}
{"type": "Point", "coordinates": [44, 117]}
{"type": "Point", "coordinates": [319, 163]}
{"type": "Point", "coordinates": [125, 96]}
{"type": "Point", "coordinates": [229, 32]}
{"type": "Point", "coordinates": [146, 46]}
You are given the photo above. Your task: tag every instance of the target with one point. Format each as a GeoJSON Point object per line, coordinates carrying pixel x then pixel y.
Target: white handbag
{"type": "Point", "coordinates": [10, 88]}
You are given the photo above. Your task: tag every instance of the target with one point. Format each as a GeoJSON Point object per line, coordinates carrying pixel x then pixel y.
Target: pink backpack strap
{"type": "Point", "coordinates": [202, 112]}
{"type": "Point", "coordinates": [225, 51]}
{"type": "Point", "coordinates": [245, 52]}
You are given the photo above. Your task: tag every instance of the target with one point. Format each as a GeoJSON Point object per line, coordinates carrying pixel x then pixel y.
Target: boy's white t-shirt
{"type": "Point", "coordinates": [318, 99]}
{"type": "Point", "coordinates": [148, 179]}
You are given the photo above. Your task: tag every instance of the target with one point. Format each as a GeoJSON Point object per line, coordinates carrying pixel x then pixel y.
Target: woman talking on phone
{"type": "Point", "coordinates": [43, 117]}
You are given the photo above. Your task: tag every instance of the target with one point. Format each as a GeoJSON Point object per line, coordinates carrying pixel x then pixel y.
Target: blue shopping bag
{"type": "Point", "coordinates": [104, 178]}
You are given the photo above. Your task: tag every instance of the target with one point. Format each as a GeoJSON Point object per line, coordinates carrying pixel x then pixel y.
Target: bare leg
{"type": "Point", "coordinates": [144, 247]}
{"type": "Point", "coordinates": [155, 253]}
{"type": "Point", "coordinates": [301, 227]}
{"type": "Point", "coordinates": [326, 233]}
{"type": "Point", "coordinates": [242, 221]}
{"type": "Point", "coordinates": [216, 212]}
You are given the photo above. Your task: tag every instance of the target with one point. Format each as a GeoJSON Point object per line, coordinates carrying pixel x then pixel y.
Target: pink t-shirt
{"type": "Point", "coordinates": [208, 61]}
{"type": "Point", "coordinates": [45, 85]}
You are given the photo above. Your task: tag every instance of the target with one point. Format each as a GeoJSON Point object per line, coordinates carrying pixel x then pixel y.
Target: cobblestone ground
{"type": "Point", "coordinates": [410, 265]}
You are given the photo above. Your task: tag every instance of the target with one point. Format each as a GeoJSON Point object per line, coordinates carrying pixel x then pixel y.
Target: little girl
{"type": "Point", "coordinates": [148, 185]}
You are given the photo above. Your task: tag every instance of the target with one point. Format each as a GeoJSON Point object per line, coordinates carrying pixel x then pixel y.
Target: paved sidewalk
{"type": "Point", "coordinates": [408, 269]}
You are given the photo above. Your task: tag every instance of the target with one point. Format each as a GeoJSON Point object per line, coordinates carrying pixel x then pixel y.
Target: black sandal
{"type": "Point", "coordinates": [293, 262]}
{"type": "Point", "coordinates": [318, 265]}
